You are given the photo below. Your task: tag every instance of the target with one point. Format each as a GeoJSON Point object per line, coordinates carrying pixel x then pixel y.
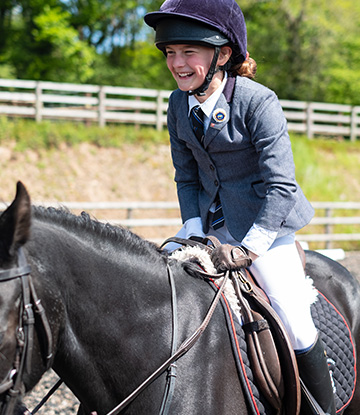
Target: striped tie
{"type": "Point", "coordinates": [197, 120]}
{"type": "Point", "coordinates": [218, 216]}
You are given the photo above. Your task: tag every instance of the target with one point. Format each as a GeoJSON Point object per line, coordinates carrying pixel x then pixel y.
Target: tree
{"type": "Point", "coordinates": [44, 45]}
{"type": "Point", "coordinates": [143, 66]}
{"type": "Point", "coordinates": [298, 45]}
{"type": "Point", "coordinates": [109, 24]}
{"type": "Point", "coordinates": [67, 57]}
{"type": "Point", "coordinates": [305, 49]}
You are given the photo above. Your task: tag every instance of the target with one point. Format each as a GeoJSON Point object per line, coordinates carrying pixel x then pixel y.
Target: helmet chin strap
{"type": "Point", "coordinates": [208, 78]}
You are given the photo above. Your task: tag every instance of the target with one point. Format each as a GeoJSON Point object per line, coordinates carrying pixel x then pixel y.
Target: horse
{"type": "Point", "coordinates": [104, 316]}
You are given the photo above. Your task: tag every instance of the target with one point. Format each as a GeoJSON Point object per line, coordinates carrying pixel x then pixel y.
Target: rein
{"type": "Point", "coordinates": [183, 349]}
{"type": "Point", "coordinates": [13, 383]}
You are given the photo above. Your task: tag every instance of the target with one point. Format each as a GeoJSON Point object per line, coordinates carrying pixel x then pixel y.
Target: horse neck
{"type": "Point", "coordinates": [80, 274]}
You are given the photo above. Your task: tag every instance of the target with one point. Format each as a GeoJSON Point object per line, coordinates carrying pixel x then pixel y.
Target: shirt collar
{"type": "Point", "coordinates": [208, 105]}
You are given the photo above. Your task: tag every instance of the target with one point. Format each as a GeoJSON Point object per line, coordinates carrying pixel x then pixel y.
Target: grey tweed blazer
{"type": "Point", "coordinates": [246, 157]}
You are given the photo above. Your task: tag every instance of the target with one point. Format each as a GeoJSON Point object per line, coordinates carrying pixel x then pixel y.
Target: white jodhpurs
{"type": "Point", "coordinates": [280, 273]}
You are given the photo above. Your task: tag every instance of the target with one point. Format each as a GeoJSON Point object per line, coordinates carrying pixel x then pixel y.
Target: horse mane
{"type": "Point", "coordinates": [83, 223]}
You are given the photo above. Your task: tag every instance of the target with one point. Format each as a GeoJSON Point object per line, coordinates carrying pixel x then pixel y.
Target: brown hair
{"type": "Point", "coordinates": [247, 68]}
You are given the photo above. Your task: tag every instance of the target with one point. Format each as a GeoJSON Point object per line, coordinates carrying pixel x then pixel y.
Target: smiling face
{"type": "Point", "coordinates": [189, 64]}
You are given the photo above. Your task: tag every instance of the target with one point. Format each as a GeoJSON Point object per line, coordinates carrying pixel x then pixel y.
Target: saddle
{"type": "Point", "coordinates": [272, 358]}
{"type": "Point", "coordinates": [270, 352]}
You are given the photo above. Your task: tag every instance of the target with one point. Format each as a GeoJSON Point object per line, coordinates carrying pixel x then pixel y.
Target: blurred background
{"type": "Point", "coordinates": [306, 50]}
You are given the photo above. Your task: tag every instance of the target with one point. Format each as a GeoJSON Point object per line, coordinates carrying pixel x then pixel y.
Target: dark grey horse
{"type": "Point", "coordinates": [107, 300]}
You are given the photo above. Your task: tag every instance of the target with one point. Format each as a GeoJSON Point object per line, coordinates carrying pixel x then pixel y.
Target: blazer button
{"type": "Point", "coordinates": [212, 167]}
{"type": "Point", "coordinates": [216, 183]}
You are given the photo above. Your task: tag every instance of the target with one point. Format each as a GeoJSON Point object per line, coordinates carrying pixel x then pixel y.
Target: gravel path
{"type": "Point", "coordinates": [63, 401]}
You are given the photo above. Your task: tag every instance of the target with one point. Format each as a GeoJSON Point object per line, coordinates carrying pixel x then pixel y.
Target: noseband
{"type": "Point", "coordinates": [13, 382]}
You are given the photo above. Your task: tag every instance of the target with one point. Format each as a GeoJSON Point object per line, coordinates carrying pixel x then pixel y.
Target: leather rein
{"type": "Point", "coordinates": [12, 385]}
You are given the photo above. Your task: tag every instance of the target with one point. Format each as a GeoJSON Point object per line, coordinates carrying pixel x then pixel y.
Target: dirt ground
{"type": "Point", "coordinates": [89, 173]}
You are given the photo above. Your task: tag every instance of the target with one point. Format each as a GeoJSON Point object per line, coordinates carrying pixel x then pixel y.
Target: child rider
{"type": "Point", "coordinates": [234, 166]}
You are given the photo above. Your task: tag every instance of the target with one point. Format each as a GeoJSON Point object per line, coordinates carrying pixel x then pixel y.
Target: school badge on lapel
{"type": "Point", "coordinates": [219, 115]}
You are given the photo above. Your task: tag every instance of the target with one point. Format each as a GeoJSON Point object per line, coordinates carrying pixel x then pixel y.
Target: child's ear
{"type": "Point", "coordinates": [224, 56]}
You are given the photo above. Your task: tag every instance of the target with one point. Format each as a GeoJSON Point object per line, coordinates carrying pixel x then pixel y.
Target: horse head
{"type": "Point", "coordinates": [14, 227]}
{"type": "Point", "coordinates": [14, 233]}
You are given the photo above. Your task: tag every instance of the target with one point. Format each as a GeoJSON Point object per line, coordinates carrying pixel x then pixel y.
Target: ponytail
{"type": "Point", "coordinates": [247, 68]}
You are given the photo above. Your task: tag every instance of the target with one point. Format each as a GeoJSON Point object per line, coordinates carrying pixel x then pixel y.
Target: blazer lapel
{"type": "Point", "coordinates": [220, 117]}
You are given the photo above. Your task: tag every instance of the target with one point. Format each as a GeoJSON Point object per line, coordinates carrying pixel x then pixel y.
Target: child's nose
{"type": "Point", "coordinates": [178, 61]}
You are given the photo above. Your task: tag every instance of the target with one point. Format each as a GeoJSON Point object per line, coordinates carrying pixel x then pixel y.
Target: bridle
{"type": "Point", "coordinates": [13, 383]}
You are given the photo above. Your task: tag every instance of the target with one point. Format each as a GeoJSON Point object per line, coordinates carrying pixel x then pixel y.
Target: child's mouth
{"type": "Point", "coordinates": [185, 75]}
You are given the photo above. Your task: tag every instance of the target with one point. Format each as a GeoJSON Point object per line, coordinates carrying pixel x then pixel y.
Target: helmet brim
{"type": "Point", "coordinates": [179, 30]}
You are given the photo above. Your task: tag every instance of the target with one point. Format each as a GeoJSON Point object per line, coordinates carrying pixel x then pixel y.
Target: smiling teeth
{"type": "Point", "coordinates": [184, 74]}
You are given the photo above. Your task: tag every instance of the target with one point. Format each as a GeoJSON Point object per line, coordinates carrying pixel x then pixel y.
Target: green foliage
{"type": "Point", "coordinates": [52, 49]}
{"type": "Point", "coordinates": [142, 67]}
{"type": "Point", "coordinates": [305, 50]}
{"type": "Point", "coordinates": [7, 71]}
{"type": "Point", "coordinates": [68, 58]}
{"type": "Point", "coordinates": [108, 24]}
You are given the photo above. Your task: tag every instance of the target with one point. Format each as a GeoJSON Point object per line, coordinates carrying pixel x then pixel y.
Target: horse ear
{"type": "Point", "coordinates": [15, 223]}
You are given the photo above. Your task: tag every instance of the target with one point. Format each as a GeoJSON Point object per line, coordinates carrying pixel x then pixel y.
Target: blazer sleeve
{"type": "Point", "coordinates": [186, 169]}
{"type": "Point", "coordinates": [269, 135]}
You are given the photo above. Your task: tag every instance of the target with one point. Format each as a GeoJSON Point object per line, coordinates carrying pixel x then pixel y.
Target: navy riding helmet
{"type": "Point", "coordinates": [213, 23]}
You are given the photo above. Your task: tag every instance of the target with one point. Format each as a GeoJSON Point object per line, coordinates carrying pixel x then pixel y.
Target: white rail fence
{"type": "Point", "coordinates": [90, 103]}
{"type": "Point", "coordinates": [325, 227]}
{"type": "Point", "coordinates": [107, 104]}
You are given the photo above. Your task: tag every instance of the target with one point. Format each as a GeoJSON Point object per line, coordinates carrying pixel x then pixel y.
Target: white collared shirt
{"type": "Point", "coordinates": [208, 106]}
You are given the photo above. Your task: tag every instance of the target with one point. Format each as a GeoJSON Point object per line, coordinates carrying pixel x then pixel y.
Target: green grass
{"type": "Point", "coordinates": [49, 135]}
{"type": "Point", "coordinates": [327, 170]}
